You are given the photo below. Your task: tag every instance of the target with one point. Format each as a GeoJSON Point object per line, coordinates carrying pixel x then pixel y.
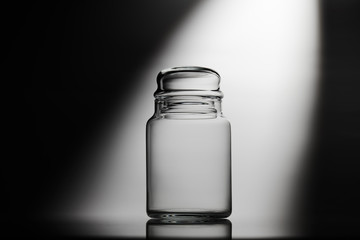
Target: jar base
{"type": "Point", "coordinates": [188, 215]}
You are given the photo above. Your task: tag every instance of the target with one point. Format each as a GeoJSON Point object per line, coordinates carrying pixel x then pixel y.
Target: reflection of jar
{"type": "Point", "coordinates": [188, 146]}
{"type": "Point", "coordinates": [213, 229]}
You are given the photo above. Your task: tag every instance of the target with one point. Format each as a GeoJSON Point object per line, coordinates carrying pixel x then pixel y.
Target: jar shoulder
{"type": "Point", "coordinates": [218, 121]}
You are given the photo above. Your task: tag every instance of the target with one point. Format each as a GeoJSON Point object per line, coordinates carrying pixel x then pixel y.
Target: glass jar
{"type": "Point", "coordinates": [188, 147]}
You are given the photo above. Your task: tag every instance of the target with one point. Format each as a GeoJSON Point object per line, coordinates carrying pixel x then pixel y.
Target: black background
{"type": "Point", "coordinates": [70, 63]}
{"type": "Point", "coordinates": [333, 196]}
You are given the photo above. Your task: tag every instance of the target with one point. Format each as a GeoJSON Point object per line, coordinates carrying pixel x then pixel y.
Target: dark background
{"type": "Point", "coordinates": [333, 196]}
{"type": "Point", "coordinates": [70, 63]}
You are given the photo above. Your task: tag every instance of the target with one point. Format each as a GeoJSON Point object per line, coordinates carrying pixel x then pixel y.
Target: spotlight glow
{"type": "Point", "coordinates": [267, 55]}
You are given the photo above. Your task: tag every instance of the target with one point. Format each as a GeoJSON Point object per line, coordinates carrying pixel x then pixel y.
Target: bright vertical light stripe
{"type": "Point", "coordinates": [266, 53]}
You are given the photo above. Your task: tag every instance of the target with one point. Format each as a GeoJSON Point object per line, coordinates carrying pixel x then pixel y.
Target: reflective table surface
{"type": "Point", "coordinates": [175, 229]}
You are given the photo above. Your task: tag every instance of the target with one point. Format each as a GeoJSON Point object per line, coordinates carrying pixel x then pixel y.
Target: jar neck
{"type": "Point", "coordinates": [188, 107]}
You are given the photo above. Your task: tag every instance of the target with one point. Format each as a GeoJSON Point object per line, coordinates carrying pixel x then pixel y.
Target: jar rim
{"type": "Point", "coordinates": [181, 69]}
{"type": "Point", "coordinates": [188, 80]}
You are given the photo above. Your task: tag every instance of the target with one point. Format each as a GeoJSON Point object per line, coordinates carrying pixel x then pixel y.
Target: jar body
{"type": "Point", "coordinates": [188, 166]}
{"type": "Point", "coordinates": [188, 147]}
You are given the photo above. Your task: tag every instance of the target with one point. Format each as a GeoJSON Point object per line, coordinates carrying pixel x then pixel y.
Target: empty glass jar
{"type": "Point", "coordinates": [188, 147]}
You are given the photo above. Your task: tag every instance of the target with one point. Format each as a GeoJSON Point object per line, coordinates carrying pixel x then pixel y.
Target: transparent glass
{"type": "Point", "coordinates": [188, 147]}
